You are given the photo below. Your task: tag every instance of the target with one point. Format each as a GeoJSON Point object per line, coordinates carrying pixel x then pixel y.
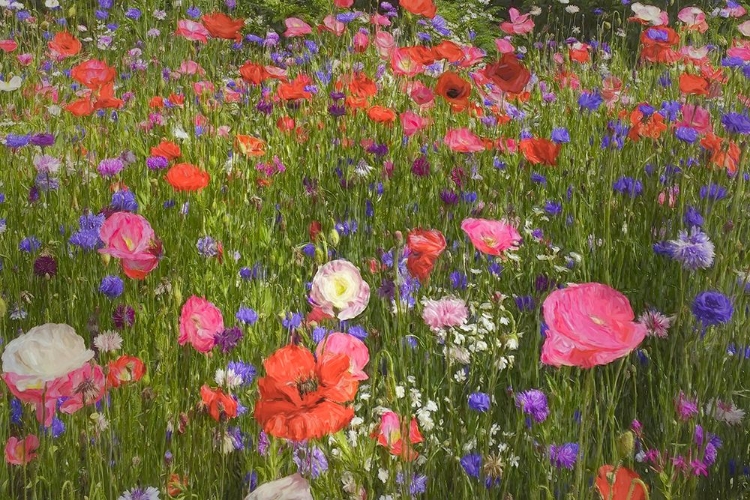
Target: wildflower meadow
{"type": "Point", "coordinates": [374, 255]}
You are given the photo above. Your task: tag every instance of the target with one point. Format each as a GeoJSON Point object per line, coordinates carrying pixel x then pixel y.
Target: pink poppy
{"type": "Point", "coordinates": [742, 51]}
{"type": "Point", "coordinates": [744, 28]}
{"type": "Point", "coordinates": [343, 343]}
{"type": "Point", "coordinates": [390, 433]}
{"type": "Point", "coordinates": [519, 24]}
{"type": "Point", "coordinates": [296, 27]}
{"type": "Point", "coordinates": [412, 122]}
{"type": "Point", "coordinates": [379, 20]}
{"type": "Point", "coordinates": [195, 32]}
{"type": "Point", "coordinates": [492, 237]}
{"type": "Point", "coordinates": [588, 324]}
{"type": "Point", "coordinates": [472, 56]}
{"type": "Point", "coordinates": [463, 140]}
{"type": "Point", "coordinates": [21, 451]}
{"type": "Point", "coordinates": [361, 41]}
{"type": "Point", "coordinates": [83, 387]}
{"type": "Point", "coordinates": [402, 63]}
{"type": "Point", "coordinates": [420, 93]}
{"type": "Point", "coordinates": [696, 117]}
{"type": "Point", "coordinates": [8, 45]}
{"type": "Point", "coordinates": [384, 44]}
{"type": "Point", "coordinates": [504, 46]}
{"type": "Point", "coordinates": [200, 322]}
{"type": "Point", "coordinates": [129, 237]}
{"type": "Point", "coordinates": [694, 19]}
{"type": "Point", "coordinates": [191, 68]}
{"type": "Point", "coordinates": [333, 25]}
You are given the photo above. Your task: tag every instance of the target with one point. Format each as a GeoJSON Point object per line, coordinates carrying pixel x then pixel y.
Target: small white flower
{"type": "Point", "coordinates": [383, 475]}
{"type": "Point", "coordinates": [572, 9]}
{"type": "Point", "coordinates": [400, 392]}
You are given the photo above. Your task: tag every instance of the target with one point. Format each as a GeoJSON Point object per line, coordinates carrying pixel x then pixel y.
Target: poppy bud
{"type": "Point", "coordinates": [334, 237]}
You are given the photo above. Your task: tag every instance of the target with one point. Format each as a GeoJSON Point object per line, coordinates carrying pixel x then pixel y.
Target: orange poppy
{"type": "Point", "coordinates": [361, 86]}
{"type": "Point", "coordinates": [454, 89]}
{"type": "Point", "coordinates": [167, 149]}
{"type": "Point", "coordinates": [425, 246]}
{"type": "Point", "coordinates": [508, 74]}
{"type": "Point", "coordinates": [381, 114]}
{"type": "Point", "coordinates": [93, 74]}
{"type": "Point", "coordinates": [219, 405]}
{"type": "Point", "coordinates": [617, 485]}
{"type": "Point", "coordinates": [106, 99]}
{"type": "Point", "coordinates": [424, 8]}
{"type": "Point", "coordinates": [222, 26]}
{"type": "Point", "coordinates": [295, 89]}
{"type": "Point", "coordinates": [250, 146]}
{"type": "Point", "coordinates": [254, 73]}
{"type": "Point", "coordinates": [64, 44]}
{"type": "Point", "coordinates": [156, 102]}
{"type": "Point", "coordinates": [177, 485]}
{"type": "Point", "coordinates": [450, 51]}
{"type": "Point", "coordinates": [652, 127]}
{"type": "Point", "coordinates": [693, 84]}
{"type": "Point", "coordinates": [80, 107]}
{"type": "Point", "coordinates": [187, 177]}
{"type": "Point", "coordinates": [538, 151]}
{"type": "Point", "coordinates": [303, 398]}
{"type": "Point", "coordinates": [125, 369]}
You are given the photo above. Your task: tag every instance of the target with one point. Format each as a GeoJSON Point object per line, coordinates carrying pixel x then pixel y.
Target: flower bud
{"type": "Point", "coordinates": [625, 444]}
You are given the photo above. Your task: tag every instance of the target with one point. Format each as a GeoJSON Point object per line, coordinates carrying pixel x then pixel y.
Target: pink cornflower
{"type": "Point", "coordinates": [444, 313]}
{"type": "Point", "coordinates": [657, 324]}
{"type": "Point", "coordinates": [685, 407]}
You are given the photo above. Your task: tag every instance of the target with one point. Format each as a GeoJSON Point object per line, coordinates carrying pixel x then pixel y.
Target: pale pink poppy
{"type": "Point", "coordinates": [361, 41]}
{"type": "Point", "coordinates": [403, 65]}
{"type": "Point", "coordinates": [472, 55]}
{"type": "Point", "coordinates": [129, 237]}
{"type": "Point", "coordinates": [744, 28]}
{"type": "Point", "coordinates": [412, 123]}
{"type": "Point", "coordinates": [21, 451]}
{"type": "Point", "coordinates": [588, 324]}
{"type": "Point", "coordinates": [203, 86]}
{"type": "Point", "coordinates": [193, 31]}
{"type": "Point", "coordinates": [694, 116]}
{"type": "Point", "coordinates": [447, 312]}
{"type": "Point", "coordinates": [82, 387]}
{"type": "Point", "coordinates": [519, 24]}
{"type": "Point", "coordinates": [694, 18]}
{"type": "Point", "coordinates": [343, 343]}
{"type": "Point", "coordinates": [200, 322]}
{"type": "Point", "coordinates": [611, 90]}
{"type": "Point", "coordinates": [463, 140]}
{"type": "Point", "coordinates": [384, 44]}
{"type": "Point", "coordinates": [379, 20]}
{"type": "Point", "coordinates": [296, 27]}
{"type": "Point", "coordinates": [696, 55]}
{"type": "Point", "coordinates": [338, 285]}
{"type": "Point", "coordinates": [648, 14]}
{"type": "Point", "coordinates": [492, 237]}
{"type": "Point", "coordinates": [504, 46]}
{"type": "Point", "coordinates": [276, 72]}
{"type": "Point", "coordinates": [333, 25]}
{"type": "Point", "coordinates": [420, 93]}
{"type": "Point", "coordinates": [191, 68]}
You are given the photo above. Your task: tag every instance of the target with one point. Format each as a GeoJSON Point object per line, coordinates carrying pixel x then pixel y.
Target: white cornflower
{"type": "Point", "coordinates": [108, 341]}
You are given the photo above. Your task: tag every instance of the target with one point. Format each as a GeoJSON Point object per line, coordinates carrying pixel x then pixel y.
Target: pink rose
{"type": "Point", "coordinates": [200, 321]}
{"type": "Point", "coordinates": [492, 237]}
{"type": "Point", "coordinates": [195, 32]}
{"type": "Point", "coordinates": [129, 237]}
{"type": "Point", "coordinates": [445, 313]}
{"type": "Point", "coordinates": [21, 452]}
{"type": "Point", "coordinates": [296, 27]}
{"type": "Point", "coordinates": [463, 140]}
{"type": "Point", "coordinates": [339, 285]}
{"type": "Point", "coordinates": [343, 343]}
{"type": "Point", "coordinates": [588, 324]}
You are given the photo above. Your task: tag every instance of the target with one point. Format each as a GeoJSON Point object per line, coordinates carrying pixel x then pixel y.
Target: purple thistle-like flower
{"type": "Point", "coordinates": [228, 339]}
{"type": "Point", "coordinates": [420, 167]}
{"type": "Point", "coordinates": [565, 455]}
{"type": "Point", "coordinates": [533, 402]}
{"type": "Point", "coordinates": [694, 250]}
{"type": "Point", "coordinates": [123, 316]}
{"type": "Point", "coordinates": [686, 408]}
{"type": "Point", "coordinates": [110, 167]}
{"type": "Point", "coordinates": [45, 265]}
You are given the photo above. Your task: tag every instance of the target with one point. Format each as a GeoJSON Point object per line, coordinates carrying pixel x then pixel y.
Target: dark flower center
{"type": "Point", "coordinates": [453, 93]}
{"type": "Point", "coordinates": [306, 386]}
{"type": "Point", "coordinates": [88, 389]}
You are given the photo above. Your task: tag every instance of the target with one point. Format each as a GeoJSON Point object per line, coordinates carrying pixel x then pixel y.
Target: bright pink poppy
{"type": "Point", "coordinates": [519, 24]}
{"type": "Point", "coordinates": [588, 324]}
{"type": "Point", "coordinates": [193, 31]}
{"type": "Point", "coordinates": [343, 343]}
{"type": "Point", "coordinates": [21, 451]}
{"type": "Point", "coordinates": [200, 322]}
{"type": "Point", "coordinates": [463, 140]}
{"type": "Point", "coordinates": [129, 237]}
{"type": "Point", "coordinates": [492, 237]}
{"type": "Point", "coordinates": [412, 123]}
{"type": "Point", "coordinates": [296, 27]}
{"type": "Point", "coordinates": [504, 46]}
{"type": "Point", "coordinates": [695, 117]}
{"type": "Point", "coordinates": [83, 387]}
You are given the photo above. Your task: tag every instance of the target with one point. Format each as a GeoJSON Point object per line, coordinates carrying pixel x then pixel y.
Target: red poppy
{"type": "Point", "coordinates": [64, 45]}
{"type": "Point", "coordinates": [106, 99]}
{"type": "Point", "coordinates": [657, 44]}
{"type": "Point", "coordinates": [450, 51]}
{"type": "Point", "coordinates": [538, 151]}
{"type": "Point", "coordinates": [167, 149]}
{"type": "Point", "coordinates": [93, 74]}
{"type": "Point", "coordinates": [295, 89]}
{"type": "Point", "coordinates": [454, 89]}
{"type": "Point", "coordinates": [508, 74]}
{"type": "Point", "coordinates": [619, 485]}
{"type": "Point", "coordinates": [177, 99]}
{"type": "Point", "coordinates": [187, 177]}
{"type": "Point", "coordinates": [125, 369]}
{"type": "Point", "coordinates": [642, 126]}
{"type": "Point", "coordinates": [285, 123]}
{"type": "Point", "coordinates": [425, 246]}
{"type": "Point", "coordinates": [218, 404]}
{"type": "Point", "coordinates": [222, 26]}
{"type": "Point", "coordinates": [424, 8]}
{"type": "Point", "coordinates": [303, 398]}
{"type": "Point", "coordinates": [250, 146]}
{"type": "Point", "coordinates": [254, 73]}
{"type": "Point", "coordinates": [80, 107]}
{"type": "Point", "coordinates": [177, 485]}
{"type": "Point", "coordinates": [156, 102]}
{"type": "Point", "coordinates": [362, 86]}
{"type": "Point", "coordinates": [314, 229]}
{"type": "Point", "coordinates": [693, 84]}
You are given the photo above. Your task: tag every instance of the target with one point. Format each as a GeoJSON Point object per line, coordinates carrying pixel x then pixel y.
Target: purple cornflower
{"type": "Point", "coordinates": [417, 484]}
{"type": "Point", "coordinates": [310, 460]}
{"type": "Point", "coordinates": [207, 247]}
{"type": "Point", "coordinates": [292, 321]}
{"type": "Point", "coordinates": [693, 251]}
{"type": "Point", "coordinates": [479, 401]}
{"type": "Point", "coordinates": [123, 201]}
{"type": "Point", "coordinates": [110, 167]}
{"type": "Point", "coordinates": [560, 135]}
{"type": "Point", "coordinates": [157, 162]}
{"type": "Point", "coordinates": [685, 407]}
{"type": "Point", "coordinates": [712, 308]}
{"type": "Point", "coordinates": [228, 339]}
{"type": "Point", "coordinates": [448, 197]}
{"type": "Point", "coordinates": [472, 464]}
{"type": "Point", "coordinates": [246, 315]}
{"type": "Point", "coordinates": [459, 280]}
{"type": "Point", "coordinates": [736, 123]}
{"type": "Point", "coordinates": [112, 286]}
{"type": "Point", "coordinates": [133, 13]}
{"type": "Point", "coordinates": [686, 134]}
{"type": "Point", "coordinates": [525, 303]}
{"type": "Point", "coordinates": [692, 217]}
{"type": "Point", "coordinates": [194, 12]}
{"type": "Point", "coordinates": [533, 402]}
{"type": "Point", "coordinates": [713, 192]}
{"type": "Point", "coordinates": [30, 244]}
{"type": "Point", "coordinates": [553, 207]}
{"type": "Point", "coordinates": [564, 455]}
{"type": "Point", "coordinates": [123, 316]}
{"type": "Point", "coordinates": [590, 100]}
{"type": "Point", "coordinates": [42, 140]}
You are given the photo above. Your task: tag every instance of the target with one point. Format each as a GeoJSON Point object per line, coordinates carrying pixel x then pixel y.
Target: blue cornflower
{"type": "Point", "coordinates": [713, 192]}
{"type": "Point", "coordinates": [207, 247]}
{"type": "Point", "coordinates": [310, 460]}
{"type": "Point", "coordinates": [112, 286]}
{"type": "Point", "coordinates": [564, 455]}
{"type": "Point", "coordinates": [124, 201]}
{"type": "Point", "coordinates": [736, 123]}
{"type": "Point", "coordinates": [553, 207]}
{"type": "Point", "coordinates": [194, 12]}
{"type": "Point", "coordinates": [560, 135]}
{"type": "Point", "coordinates": [16, 411]}
{"type": "Point", "coordinates": [133, 13]}
{"type": "Point", "coordinates": [712, 308]}
{"type": "Point", "coordinates": [417, 484]}
{"type": "Point", "coordinates": [686, 134]}
{"type": "Point", "coordinates": [472, 464]}
{"type": "Point", "coordinates": [590, 100]}
{"type": "Point", "coordinates": [245, 371]}
{"type": "Point", "coordinates": [533, 402]}
{"type": "Point", "coordinates": [525, 303]}
{"type": "Point", "coordinates": [629, 186]}
{"type": "Point", "coordinates": [357, 331]}
{"type": "Point", "coordinates": [246, 315]}
{"type": "Point", "coordinates": [292, 321]}
{"type": "Point", "coordinates": [693, 217]}
{"type": "Point", "coordinates": [538, 178]}
{"type": "Point", "coordinates": [479, 401]}
{"type": "Point", "coordinates": [30, 244]}
{"type": "Point", "coordinates": [459, 280]}
{"type": "Point", "coordinates": [17, 141]}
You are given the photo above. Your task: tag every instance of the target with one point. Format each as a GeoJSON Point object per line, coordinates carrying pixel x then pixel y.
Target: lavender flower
{"type": "Point", "coordinates": [693, 251]}
{"type": "Point", "coordinates": [533, 402]}
{"type": "Point", "coordinates": [565, 455]}
{"type": "Point", "coordinates": [110, 167]}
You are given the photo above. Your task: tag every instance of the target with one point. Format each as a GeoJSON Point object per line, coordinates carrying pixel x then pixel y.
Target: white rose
{"type": "Point", "coordinates": [294, 487]}
{"type": "Point", "coordinates": [44, 353]}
